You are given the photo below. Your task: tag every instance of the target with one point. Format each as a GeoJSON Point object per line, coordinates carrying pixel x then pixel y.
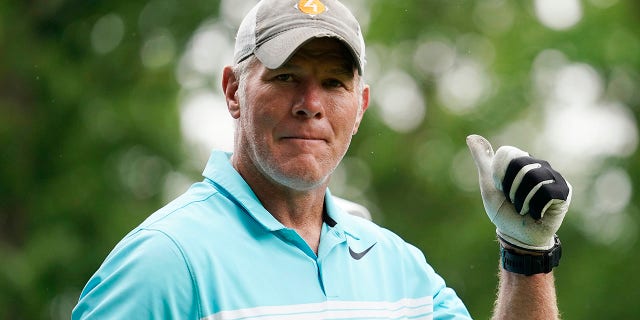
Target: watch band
{"type": "Point", "coordinates": [530, 264]}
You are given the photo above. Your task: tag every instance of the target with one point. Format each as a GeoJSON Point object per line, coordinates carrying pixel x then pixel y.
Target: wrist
{"type": "Point", "coordinates": [504, 244]}
{"type": "Point", "coordinates": [529, 262]}
{"type": "Point", "coordinates": [523, 241]}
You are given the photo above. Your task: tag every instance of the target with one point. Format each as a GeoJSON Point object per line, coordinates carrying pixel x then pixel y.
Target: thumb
{"type": "Point", "coordinates": [482, 154]}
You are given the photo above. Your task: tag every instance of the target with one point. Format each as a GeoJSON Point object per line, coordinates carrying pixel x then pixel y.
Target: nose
{"type": "Point", "coordinates": [309, 103]}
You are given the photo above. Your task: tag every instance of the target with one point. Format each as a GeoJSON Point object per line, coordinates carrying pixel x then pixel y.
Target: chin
{"type": "Point", "coordinates": [301, 183]}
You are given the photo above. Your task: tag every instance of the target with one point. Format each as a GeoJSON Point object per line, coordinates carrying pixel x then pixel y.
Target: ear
{"type": "Point", "coordinates": [362, 109]}
{"type": "Point", "coordinates": [230, 88]}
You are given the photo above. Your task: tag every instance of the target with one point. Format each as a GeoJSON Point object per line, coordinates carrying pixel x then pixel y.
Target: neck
{"type": "Point", "coordinates": [300, 210]}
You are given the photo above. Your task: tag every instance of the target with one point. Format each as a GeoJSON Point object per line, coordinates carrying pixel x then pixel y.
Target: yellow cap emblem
{"type": "Point", "coordinates": [311, 7]}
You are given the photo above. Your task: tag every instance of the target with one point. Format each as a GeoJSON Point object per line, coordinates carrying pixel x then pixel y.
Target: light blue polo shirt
{"type": "Point", "coordinates": [216, 253]}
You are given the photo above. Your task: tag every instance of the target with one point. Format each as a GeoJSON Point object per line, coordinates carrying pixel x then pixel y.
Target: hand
{"type": "Point", "coordinates": [524, 197]}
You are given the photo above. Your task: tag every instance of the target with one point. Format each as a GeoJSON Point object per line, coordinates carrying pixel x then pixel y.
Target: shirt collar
{"type": "Point", "coordinates": [342, 220]}
{"type": "Point", "coordinates": [230, 183]}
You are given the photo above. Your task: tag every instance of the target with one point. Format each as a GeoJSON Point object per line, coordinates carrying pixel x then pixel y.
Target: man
{"type": "Point", "coordinates": [262, 237]}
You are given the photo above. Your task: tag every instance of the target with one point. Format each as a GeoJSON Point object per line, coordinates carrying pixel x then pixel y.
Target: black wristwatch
{"type": "Point", "coordinates": [529, 264]}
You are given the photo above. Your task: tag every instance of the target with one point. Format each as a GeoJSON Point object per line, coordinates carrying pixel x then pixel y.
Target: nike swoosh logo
{"type": "Point", "coordinates": [359, 255]}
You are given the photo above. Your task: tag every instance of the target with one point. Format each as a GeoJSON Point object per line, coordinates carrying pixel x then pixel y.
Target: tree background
{"type": "Point", "coordinates": [108, 110]}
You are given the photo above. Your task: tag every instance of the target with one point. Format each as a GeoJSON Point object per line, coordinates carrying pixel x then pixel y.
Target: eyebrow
{"type": "Point", "coordinates": [346, 69]}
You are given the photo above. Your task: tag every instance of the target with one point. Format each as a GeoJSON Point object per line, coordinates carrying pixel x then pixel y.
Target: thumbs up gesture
{"type": "Point", "coordinates": [524, 197]}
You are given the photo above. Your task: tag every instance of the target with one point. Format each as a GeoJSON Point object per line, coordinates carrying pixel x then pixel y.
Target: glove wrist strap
{"type": "Point", "coordinates": [539, 261]}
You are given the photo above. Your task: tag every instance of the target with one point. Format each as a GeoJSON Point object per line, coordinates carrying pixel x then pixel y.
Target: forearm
{"type": "Point", "coordinates": [526, 297]}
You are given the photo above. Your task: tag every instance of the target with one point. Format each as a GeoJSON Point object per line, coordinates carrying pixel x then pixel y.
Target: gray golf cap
{"type": "Point", "coordinates": [274, 29]}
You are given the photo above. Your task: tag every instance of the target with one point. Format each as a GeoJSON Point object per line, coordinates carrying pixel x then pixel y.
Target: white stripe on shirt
{"type": "Point", "coordinates": [421, 308]}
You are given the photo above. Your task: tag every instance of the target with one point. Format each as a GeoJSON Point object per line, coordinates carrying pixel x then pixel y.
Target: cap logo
{"type": "Point", "coordinates": [311, 7]}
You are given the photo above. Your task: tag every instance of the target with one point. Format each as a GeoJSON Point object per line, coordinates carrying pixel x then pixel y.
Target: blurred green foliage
{"type": "Point", "coordinates": [88, 140]}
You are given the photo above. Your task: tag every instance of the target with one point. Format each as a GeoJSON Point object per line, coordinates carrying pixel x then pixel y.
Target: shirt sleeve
{"type": "Point", "coordinates": [446, 303]}
{"type": "Point", "coordinates": [144, 277]}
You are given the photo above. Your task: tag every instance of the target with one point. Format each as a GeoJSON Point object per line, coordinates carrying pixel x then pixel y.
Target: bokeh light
{"type": "Point", "coordinates": [461, 88]}
{"type": "Point", "coordinates": [107, 33]}
{"type": "Point", "coordinates": [558, 14]}
{"type": "Point", "coordinates": [400, 103]}
{"type": "Point", "coordinates": [434, 57]}
{"type": "Point", "coordinates": [158, 50]}
{"type": "Point", "coordinates": [206, 123]}
{"type": "Point", "coordinates": [494, 17]}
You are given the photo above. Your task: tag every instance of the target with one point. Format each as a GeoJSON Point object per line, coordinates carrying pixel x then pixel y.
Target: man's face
{"type": "Point", "coordinates": [295, 123]}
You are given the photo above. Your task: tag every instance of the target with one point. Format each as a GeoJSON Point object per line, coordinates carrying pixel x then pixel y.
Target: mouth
{"type": "Point", "coordinates": [303, 136]}
{"type": "Point", "coordinates": [304, 140]}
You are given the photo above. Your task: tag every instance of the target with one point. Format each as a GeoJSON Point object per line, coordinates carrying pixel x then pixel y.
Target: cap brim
{"type": "Point", "coordinates": [275, 52]}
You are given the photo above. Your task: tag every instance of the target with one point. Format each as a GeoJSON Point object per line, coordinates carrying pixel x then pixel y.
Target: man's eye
{"type": "Point", "coordinates": [333, 83]}
{"type": "Point", "coordinates": [284, 77]}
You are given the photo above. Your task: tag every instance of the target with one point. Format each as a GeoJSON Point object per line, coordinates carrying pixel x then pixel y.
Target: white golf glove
{"type": "Point", "coordinates": [524, 197]}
